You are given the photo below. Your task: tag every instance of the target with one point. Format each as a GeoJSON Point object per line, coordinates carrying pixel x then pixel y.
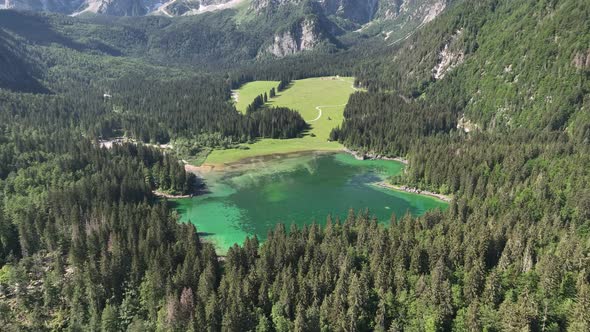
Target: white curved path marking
{"type": "Point", "coordinates": [351, 84]}
{"type": "Point", "coordinates": [319, 108]}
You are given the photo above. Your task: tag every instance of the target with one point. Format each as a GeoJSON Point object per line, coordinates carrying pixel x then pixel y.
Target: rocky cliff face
{"type": "Point", "coordinates": [117, 7]}
{"type": "Point", "coordinates": [181, 7]}
{"type": "Point", "coordinates": [355, 11]}
{"type": "Point", "coordinates": [76, 7]}
{"type": "Point", "coordinates": [365, 11]}
{"type": "Point", "coordinates": [304, 35]}
{"type": "Point", "coordinates": [315, 21]}
{"type": "Point", "coordinates": [58, 6]}
{"type": "Point", "coordinates": [123, 7]}
{"type": "Point", "coordinates": [582, 60]}
{"type": "Point", "coordinates": [421, 10]}
{"type": "Point", "coordinates": [341, 16]}
{"type": "Point", "coordinates": [451, 56]}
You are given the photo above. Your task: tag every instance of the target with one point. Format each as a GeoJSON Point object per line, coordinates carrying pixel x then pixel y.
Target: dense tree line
{"type": "Point", "coordinates": [81, 232]}
{"type": "Point", "coordinates": [283, 84]}
{"type": "Point", "coordinates": [279, 122]}
{"type": "Point", "coordinates": [256, 104]}
{"type": "Point", "coordinates": [190, 108]}
{"type": "Point", "coordinates": [151, 111]}
{"type": "Point", "coordinates": [518, 169]}
{"type": "Point", "coordinates": [389, 278]}
{"type": "Point", "coordinates": [391, 124]}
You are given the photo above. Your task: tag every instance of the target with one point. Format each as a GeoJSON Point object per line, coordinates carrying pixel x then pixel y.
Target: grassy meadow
{"type": "Point", "coordinates": [330, 94]}
{"type": "Point", "coordinates": [249, 91]}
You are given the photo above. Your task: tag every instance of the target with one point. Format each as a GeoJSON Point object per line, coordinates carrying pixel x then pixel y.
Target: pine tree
{"type": "Point", "coordinates": [110, 319]}
{"type": "Point", "coordinates": [264, 324]}
{"type": "Point", "coordinates": [129, 308]}
{"type": "Point", "coordinates": [213, 314]}
{"type": "Point", "coordinates": [299, 324]}
{"type": "Point", "coordinates": [580, 313]}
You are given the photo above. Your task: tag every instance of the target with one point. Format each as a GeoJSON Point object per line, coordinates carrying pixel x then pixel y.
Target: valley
{"type": "Point", "coordinates": [296, 180]}
{"type": "Point", "coordinates": [294, 166]}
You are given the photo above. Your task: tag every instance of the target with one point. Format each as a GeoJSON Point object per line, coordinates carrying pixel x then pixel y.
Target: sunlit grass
{"type": "Point", "coordinates": [303, 96]}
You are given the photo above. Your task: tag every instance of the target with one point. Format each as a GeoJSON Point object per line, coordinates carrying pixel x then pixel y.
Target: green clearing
{"type": "Point", "coordinates": [329, 93]}
{"type": "Point", "coordinates": [249, 91]}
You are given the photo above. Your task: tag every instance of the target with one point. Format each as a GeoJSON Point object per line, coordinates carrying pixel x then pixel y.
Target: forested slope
{"type": "Point", "coordinates": [490, 102]}
{"type": "Point", "coordinates": [520, 64]}
{"type": "Point", "coordinates": [18, 71]}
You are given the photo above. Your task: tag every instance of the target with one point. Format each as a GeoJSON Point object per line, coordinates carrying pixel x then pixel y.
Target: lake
{"type": "Point", "coordinates": [253, 196]}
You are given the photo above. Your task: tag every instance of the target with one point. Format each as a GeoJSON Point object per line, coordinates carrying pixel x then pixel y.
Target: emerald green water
{"type": "Point", "coordinates": [253, 197]}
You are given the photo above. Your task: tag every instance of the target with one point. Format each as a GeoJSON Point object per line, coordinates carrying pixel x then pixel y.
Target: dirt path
{"type": "Point", "coordinates": [351, 85]}
{"type": "Point", "coordinates": [319, 108]}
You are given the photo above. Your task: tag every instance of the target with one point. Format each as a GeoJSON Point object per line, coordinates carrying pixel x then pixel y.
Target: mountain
{"type": "Point", "coordinates": [327, 20]}
{"type": "Point", "coordinates": [354, 11]}
{"type": "Point", "coordinates": [304, 34]}
{"type": "Point", "coordinates": [359, 12]}
{"type": "Point", "coordinates": [514, 64]}
{"type": "Point", "coordinates": [119, 7]}
{"type": "Point", "coordinates": [362, 12]}
{"type": "Point", "coordinates": [283, 27]}
{"type": "Point", "coordinates": [254, 30]}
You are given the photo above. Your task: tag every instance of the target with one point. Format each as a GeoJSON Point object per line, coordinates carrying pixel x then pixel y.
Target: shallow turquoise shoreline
{"type": "Point", "coordinates": [297, 190]}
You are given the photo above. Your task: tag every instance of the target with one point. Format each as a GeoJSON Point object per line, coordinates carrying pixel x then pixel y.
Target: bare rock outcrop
{"type": "Point", "coordinates": [582, 60]}
{"type": "Point", "coordinates": [302, 36]}
{"type": "Point", "coordinates": [449, 58]}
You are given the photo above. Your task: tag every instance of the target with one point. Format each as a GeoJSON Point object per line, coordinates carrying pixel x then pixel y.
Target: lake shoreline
{"type": "Point", "coordinates": [374, 156]}
{"type": "Point", "coordinates": [207, 168]}
{"type": "Point", "coordinates": [444, 198]}
{"type": "Point", "coordinates": [250, 199]}
{"type": "Point", "coordinates": [169, 196]}
{"type": "Point", "coordinates": [249, 161]}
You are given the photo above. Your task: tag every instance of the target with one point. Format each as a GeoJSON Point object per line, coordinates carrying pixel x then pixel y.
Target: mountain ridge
{"type": "Point", "coordinates": [277, 28]}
